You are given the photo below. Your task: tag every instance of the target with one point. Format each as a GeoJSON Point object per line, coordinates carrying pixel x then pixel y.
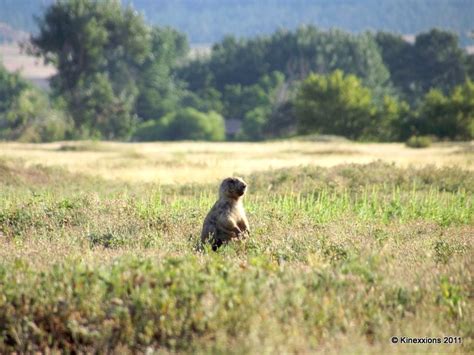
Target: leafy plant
{"type": "Point", "coordinates": [419, 142]}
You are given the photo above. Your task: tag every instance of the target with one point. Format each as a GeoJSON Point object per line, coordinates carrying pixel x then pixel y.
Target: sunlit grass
{"type": "Point", "coordinates": [339, 260]}
{"type": "Point", "coordinates": [180, 163]}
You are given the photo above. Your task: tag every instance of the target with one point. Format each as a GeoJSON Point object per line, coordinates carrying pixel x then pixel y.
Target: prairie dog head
{"type": "Point", "coordinates": [233, 188]}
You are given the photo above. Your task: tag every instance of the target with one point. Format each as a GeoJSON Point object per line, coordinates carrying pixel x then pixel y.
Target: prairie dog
{"type": "Point", "coordinates": [226, 219]}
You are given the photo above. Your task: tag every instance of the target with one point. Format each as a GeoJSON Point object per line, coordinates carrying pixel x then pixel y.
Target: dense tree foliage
{"type": "Point", "coordinates": [450, 116]}
{"type": "Point", "coordinates": [338, 104]}
{"type": "Point", "coordinates": [158, 93]}
{"type": "Point", "coordinates": [435, 59]}
{"type": "Point", "coordinates": [118, 77]}
{"type": "Point", "coordinates": [293, 53]}
{"type": "Point", "coordinates": [255, 77]}
{"type": "Point", "coordinates": [26, 113]}
{"type": "Point", "coordinates": [188, 124]}
{"type": "Point", "coordinates": [11, 86]}
{"type": "Point", "coordinates": [394, 121]}
{"type": "Point", "coordinates": [97, 48]}
{"type": "Point", "coordinates": [236, 69]}
{"type": "Point", "coordinates": [334, 104]}
{"type": "Point", "coordinates": [113, 69]}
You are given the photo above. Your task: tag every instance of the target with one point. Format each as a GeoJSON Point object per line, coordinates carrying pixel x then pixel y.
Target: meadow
{"type": "Point", "coordinates": [351, 245]}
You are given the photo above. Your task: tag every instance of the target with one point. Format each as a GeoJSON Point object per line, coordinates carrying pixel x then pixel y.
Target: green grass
{"type": "Point", "coordinates": [339, 260]}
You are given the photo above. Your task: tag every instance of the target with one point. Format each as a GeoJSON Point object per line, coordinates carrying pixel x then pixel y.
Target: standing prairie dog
{"type": "Point", "coordinates": [226, 219]}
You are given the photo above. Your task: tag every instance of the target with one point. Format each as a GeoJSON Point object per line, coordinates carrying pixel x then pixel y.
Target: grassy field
{"type": "Point", "coordinates": [352, 244]}
{"type": "Point", "coordinates": [184, 163]}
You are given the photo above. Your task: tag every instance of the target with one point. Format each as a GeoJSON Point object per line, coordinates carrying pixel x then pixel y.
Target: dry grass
{"type": "Point", "coordinates": [180, 163]}
{"type": "Point", "coordinates": [340, 259]}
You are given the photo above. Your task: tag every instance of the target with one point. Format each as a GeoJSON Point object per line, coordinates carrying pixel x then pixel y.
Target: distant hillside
{"type": "Point", "coordinates": [9, 34]}
{"type": "Point", "coordinates": [19, 13]}
{"type": "Point", "coordinates": [30, 68]}
{"type": "Point", "coordinates": [207, 21]}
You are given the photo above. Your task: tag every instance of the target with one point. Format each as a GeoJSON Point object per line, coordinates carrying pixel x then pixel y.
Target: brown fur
{"type": "Point", "coordinates": [226, 220]}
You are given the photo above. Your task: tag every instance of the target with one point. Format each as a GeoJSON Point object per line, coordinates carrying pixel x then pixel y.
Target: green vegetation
{"type": "Point", "coordinates": [340, 258]}
{"type": "Point", "coordinates": [26, 114]}
{"type": "Point", "coordinates": [392, 75]}
{"type": "Point", "coordinates": [448, 116]}
{"type": "Point", "coordinates": [434, 60]}
{"type": "Point", "coordinates": [419, 141]}
{"type": "Point", "coordinates": [185, 124]}
{"type": "Point", "coordinates": [118, 78]}
{"type": "Point", "coordinates": [387, 70]}
{"type": "Point", "coordinates": [158, 94]}
{"type": "Point", "coordinates": [294, 53]}
{"type": "Point", "coordinates": [355, 114]}
{"type": "Point", "coordinates": [97, 48]}
{"type": "Point", "coordinates": [257, 77]}
{"type": "Point", "coordinates": [344, 99]}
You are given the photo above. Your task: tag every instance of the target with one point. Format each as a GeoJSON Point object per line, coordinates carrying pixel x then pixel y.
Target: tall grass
{"type": "Point", "coordinates": [371, 204]}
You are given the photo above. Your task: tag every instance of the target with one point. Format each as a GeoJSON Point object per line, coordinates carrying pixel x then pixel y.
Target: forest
{"type": "Point", "coordinates": [121, 78]}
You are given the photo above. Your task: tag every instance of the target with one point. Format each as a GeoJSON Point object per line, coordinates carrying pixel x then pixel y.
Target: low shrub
{"type": "Point", "coordinates": [419, 142]}
{"type": "Point", "coordinates": [186, 124]}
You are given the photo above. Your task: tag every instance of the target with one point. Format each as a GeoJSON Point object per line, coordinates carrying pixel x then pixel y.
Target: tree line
{"type": "Point", "coordinates": [120, 78]}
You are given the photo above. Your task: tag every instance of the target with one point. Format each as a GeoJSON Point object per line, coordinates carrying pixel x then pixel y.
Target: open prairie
{"type": "Point", "coordinates": [351, 245]}
{"type": "Point", "coordinates": [199, 162]}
